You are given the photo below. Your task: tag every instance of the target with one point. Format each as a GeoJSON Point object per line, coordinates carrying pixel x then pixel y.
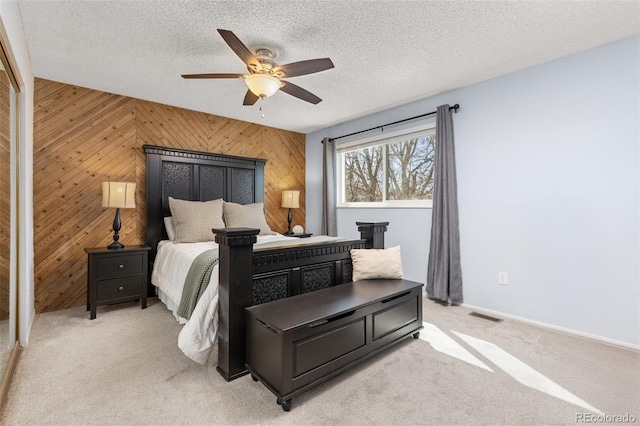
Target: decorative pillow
{"type": "Point", "coordinates": [246, 216]}
{"type": "Point", "coordinates": [171, 230]}
{"type": "Point", "coordinates": [193, 220]}
{"type": "Point", "coordinates": [369, 264]}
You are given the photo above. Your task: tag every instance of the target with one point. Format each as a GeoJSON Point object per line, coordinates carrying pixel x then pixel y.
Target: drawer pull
{"type": "Point", "coordinates": [336, 318]}
{"type": "Point", "coordinates": [265, 325]}
{"type": "Point", "coordinates": [120, 266]}
{"type": "Point", "coordinates": [317, 323]}
{"type": "Point", "coordinates": [398, 296]}
{"type": "Point", "coordinates": [120, 288]}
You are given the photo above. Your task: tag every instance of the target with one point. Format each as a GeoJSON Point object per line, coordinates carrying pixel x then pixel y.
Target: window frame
{"type": "Point", "coordinates": [370, 142]}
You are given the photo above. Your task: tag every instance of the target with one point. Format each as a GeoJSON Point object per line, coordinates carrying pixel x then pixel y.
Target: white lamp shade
{"type": "Point", "coordinates": [262, 85]}
{"type": "Point", "coordinates": [119, 194]}
{"type": "Point", "coordinates": [291, 199]}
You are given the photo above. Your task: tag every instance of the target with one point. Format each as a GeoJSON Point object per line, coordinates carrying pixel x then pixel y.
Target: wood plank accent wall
{"type": "Point", "coordinates": [83, 137]}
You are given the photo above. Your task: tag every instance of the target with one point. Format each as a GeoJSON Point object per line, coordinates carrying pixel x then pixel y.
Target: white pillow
{"type": "Point", "coordinates": [246, 216]}
{"type": "Point", "coordinates": [193, 220]}
{"type": "Point", "coordinates": [369, 264]}
{"type": "Point", "coordinates": [171, 230]}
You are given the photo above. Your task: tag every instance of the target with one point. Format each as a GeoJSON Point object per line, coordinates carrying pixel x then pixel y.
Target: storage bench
{"type": "Point", "coordinates": [301, 341]}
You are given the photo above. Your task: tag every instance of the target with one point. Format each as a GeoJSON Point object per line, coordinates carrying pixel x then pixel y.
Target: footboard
{"type": "Point", "coordinates": [249, 277]}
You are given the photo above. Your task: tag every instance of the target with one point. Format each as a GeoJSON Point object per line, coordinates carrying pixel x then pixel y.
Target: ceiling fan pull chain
{"type": "Point", "coordinates": [261, 112]}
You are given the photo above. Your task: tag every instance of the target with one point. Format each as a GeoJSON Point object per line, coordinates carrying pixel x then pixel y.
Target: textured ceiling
{"type": "Point", "coordinates": [386, 53]}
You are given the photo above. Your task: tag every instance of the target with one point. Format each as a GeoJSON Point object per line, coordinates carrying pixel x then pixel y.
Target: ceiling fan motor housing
{"type": "Point", "coordinates": [266, 57]}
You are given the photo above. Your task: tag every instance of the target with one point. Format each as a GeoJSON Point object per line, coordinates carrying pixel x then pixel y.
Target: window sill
{"type": "Point", "coordinates": [385, 206]}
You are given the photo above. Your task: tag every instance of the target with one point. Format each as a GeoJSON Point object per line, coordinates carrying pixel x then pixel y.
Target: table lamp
{"type": "Point", "coordinates": [290, 200]}
{"type": "Point", "coordinates": [121, 195]}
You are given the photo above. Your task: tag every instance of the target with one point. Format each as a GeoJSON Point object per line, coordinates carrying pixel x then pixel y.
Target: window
{"type": "Point", "coordinates": [393, 171]}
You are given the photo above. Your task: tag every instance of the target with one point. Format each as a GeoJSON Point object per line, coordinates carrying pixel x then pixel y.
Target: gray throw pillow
{"type": "Point", "coordinates": [193, 220]}
{"type": "Point", "coordinates": [246, 216]}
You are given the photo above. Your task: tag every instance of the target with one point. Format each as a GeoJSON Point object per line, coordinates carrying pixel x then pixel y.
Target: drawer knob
{"type": "Point", "coordinates": [120, 288]}
{"type": "Point", "coordinates": [120, 266]}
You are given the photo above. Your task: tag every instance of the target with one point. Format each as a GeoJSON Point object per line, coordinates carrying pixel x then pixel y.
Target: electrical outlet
{"type": "Point", "coordinates": [503, 278]}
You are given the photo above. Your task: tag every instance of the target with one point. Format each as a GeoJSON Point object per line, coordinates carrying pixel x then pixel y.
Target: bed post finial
{"type": "Point", "coordinates": [373, 232]}
{"type": "Point", "coordinates": [235, 284]}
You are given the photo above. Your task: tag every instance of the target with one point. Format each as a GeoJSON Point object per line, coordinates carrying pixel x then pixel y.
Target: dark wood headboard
{"type": "Point", "coordinates": [196, 176]}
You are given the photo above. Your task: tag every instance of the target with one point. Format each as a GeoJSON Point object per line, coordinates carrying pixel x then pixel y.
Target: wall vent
{"type": "Point", "coordinates": [483, 316]}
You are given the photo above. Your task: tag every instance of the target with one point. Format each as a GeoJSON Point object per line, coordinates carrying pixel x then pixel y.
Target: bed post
{"type": "Point", "coordinates": [373, 232]}
{"type": "Point", "coordinates": [235, 294]}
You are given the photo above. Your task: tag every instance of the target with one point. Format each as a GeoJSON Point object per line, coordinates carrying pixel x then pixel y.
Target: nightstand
{"type": "Point", "coordinates": [299, 235]}
{"type": "Point", "coordinates": [116, 276]}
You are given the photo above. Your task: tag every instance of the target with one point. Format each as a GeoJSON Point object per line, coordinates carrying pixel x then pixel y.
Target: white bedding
{"type": "Point", "coordinates": [170, 269]}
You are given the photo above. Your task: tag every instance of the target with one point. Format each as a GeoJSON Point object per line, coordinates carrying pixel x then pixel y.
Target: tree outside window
{"type": "Point", "coordinates": [393, 172]}
{"type": "Point", "coordinates": [363, 175]}
{"type": "Point", "coordinates": [410, 169]}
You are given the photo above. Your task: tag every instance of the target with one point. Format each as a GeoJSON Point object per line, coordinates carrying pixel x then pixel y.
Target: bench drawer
{"type": "Point", "coordinates": [323, 348]}
{"type": "Point", "coordinates": [395, 317]}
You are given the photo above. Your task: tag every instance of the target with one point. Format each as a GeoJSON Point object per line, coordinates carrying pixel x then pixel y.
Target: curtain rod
{"type": "Point", "coordinates": [454, 108]}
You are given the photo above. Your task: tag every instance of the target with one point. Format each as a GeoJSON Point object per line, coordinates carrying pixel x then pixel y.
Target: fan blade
{"type": "Point", "coordinates": [240, 49]}
{"type": "Point", "coordinates": [213, 75]}
{"type": "Point", "coordinates": [311, 66]}
{"type": "Point", "coordinates": [300, 93]}
{"type": "Point", "coordinates": [250, 98]}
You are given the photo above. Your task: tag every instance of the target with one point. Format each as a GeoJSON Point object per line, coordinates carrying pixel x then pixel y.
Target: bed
{"type": "Point", "coordinates": [251, 269]}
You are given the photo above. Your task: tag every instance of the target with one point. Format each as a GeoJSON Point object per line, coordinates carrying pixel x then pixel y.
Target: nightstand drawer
{"type": "Point", "coordinates": [120, 266]}
{"type": "Point", "coordinates": [118, 288]}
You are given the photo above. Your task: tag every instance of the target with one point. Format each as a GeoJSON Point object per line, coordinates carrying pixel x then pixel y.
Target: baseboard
{"type": "Point", "coordinates": [8, 375]}
{"type": "Point", "coordinates": [541, 324]}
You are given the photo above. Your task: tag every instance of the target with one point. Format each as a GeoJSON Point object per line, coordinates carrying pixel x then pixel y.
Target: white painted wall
{"type": "Point", "coordinates": [10, 14]}
{"type": "Point", "coordinates": [548, 163]}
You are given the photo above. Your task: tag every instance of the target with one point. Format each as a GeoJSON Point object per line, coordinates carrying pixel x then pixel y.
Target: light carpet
{"type": "Point", "coordinates": [124, 368]}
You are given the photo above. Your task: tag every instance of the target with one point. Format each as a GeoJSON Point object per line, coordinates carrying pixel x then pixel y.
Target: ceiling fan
{"type": "Point", "coordinates": [265, 76]}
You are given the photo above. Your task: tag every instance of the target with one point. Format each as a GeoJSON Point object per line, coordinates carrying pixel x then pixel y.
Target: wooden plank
{"type": "Point", "coordinates": [75, 125]}
{"type": "Point", "coordinates": [67, 169]}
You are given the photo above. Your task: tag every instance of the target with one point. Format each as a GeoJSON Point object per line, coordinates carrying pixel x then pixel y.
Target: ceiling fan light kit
{"type": "Point", "coordinates": [262, 85]}
{"type": "Point", "coordinates": [265, 76]}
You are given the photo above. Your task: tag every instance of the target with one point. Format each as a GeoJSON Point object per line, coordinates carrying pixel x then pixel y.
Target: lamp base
{"type": "Point", "coordinates": [115, 246]}
{"type": "Point", "coordinates": [289, 231]}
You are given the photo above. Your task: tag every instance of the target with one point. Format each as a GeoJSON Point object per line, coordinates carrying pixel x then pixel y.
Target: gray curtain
{"type": "Point", "coordinates": [444, 274]}
{"type": "Point", "coordinates": [329, 223]}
